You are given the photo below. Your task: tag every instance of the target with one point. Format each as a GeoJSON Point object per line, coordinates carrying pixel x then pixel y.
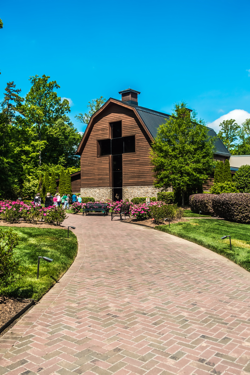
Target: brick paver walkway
{"type": "Point", "coordinates": [136, 301]}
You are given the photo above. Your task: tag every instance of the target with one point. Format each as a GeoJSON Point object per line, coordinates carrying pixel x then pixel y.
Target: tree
{"type": "Point", "coordinates": [42, 109]}
{"type": "Point", "coordinates": [1, 24]}
{"type": "Point", "coordinates": [243, 147]}
{"type": "Point", "coordinates": [229, 133]}
{"type": "Point", "coordinates": [218, 172]}
{"type": "Point", "coordinates": [93, 106]}
{"type": "Point", "coordinates": [68, 189]}
{"type": "Point", "coordinates": [242, 179]}
{"type": "Point", "coordinates": [53, 186]}
{"type": "Point", "coordinates": [182, 153]}
{"type": "Point", "coordinates": [227, 172]}
{"type": "Point", "coordinates": [47, 182]}
{"type": "Point", "coordinates": [62, 183]}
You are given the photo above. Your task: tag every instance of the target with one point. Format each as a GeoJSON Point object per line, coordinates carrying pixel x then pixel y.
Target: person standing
{"type": "Point", "coordinates": [48, 200]}
{"type": "Point", "coordinates": [37, 199]}
{"type": "Point", "coordinates": [74, 198]}
{"type": "Point", "coordinates": [58, 200]}
{"type": "Point", "coordinates": [64, 197]}
{"type": "Point", "coordinates": [66, 204]}
{"type": "Point", "coordinates": [79, 199]}
{"type": "Point", "coordinates": [55, 200]}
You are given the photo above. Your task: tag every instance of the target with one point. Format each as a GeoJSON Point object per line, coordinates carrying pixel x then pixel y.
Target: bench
{"type": "Point", "coordinates": [124, 211]}
{"type": "Point", "coordinates": [96, 207]}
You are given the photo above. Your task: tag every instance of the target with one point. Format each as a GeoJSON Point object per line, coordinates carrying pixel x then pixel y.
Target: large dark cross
{"type": "Point", "coordinates": [116, 146]}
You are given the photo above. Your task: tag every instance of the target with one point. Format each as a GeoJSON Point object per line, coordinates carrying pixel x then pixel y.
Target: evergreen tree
{"type": "Point", "coordinates": [68, 189]}
{"type": "Point", "coordinates": [217, 173]}
{"type": "Point", "coordinates": [182, 152]}
{"type": "Point", "coordinates": [62, 183]}
{"type": "Point", "coordinates": [53, 186]}
{"type": "Point", "coordinates": [40, 183]}
{"type": "Point", "coordinates": [227, 172]}
{"type": "Point", "coordinates": [43, 191]}
{"type": "Point", "coordinates": [47, 182]}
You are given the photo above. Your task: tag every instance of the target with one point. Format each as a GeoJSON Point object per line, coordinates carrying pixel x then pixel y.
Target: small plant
{"type": "Point", "coordinates": [8, 265]}
{"type": "Point", "coordinates": [54, 215]}
{"type": "Point", "coordinates": [163, 212]}
{"type": "Point", "coordinates": [76, 207]}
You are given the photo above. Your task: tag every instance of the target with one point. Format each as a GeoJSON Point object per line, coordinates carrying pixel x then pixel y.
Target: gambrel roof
{"type": "Point", "coordinates": [150, 120]}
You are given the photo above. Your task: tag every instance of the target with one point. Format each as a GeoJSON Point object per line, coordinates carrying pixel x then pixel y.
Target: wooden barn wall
{"type": "Point", "coordinates": [137, 170]}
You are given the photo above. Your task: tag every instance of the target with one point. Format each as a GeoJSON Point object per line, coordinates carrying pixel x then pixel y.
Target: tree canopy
{"type": "Point", "coordinates": [93, 106]}
{"type": "Point", "coordinates": [229, 133]}
{"type": "Point", "coordinates": [182, 153]}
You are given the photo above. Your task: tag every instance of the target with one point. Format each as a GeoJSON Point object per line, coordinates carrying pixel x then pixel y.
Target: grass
{"type": "Point", "coordinates": [208, 233]}
{"type": "Point", "coordinates": [189, 213]}
{"type": "Point", "coordinates": [33, 242]}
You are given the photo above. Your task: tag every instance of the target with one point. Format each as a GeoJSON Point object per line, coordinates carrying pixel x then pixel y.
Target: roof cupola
{"type": "Point", "coordinates": [130, 96]}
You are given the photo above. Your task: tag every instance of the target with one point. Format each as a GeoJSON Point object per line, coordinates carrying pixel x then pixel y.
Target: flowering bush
{"type": "Point", "coordinates": [13, 211]}
{"type": "Point", "coordinates": [76, 207]}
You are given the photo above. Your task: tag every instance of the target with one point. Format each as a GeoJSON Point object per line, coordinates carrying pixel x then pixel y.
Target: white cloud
{"type": "Point", "coordinates": [239, 115]}
{"type": "Point", "coordinates": [69, 100]}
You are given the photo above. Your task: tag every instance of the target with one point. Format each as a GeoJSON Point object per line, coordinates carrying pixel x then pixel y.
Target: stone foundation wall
{"type": "Point", "coordinates": [99, 193]}
{"type": "Point", "coordinates": [130, 192]}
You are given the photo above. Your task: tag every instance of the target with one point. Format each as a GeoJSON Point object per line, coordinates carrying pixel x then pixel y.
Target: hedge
{"type": "Point", "coordinates": [167, 197]}
{"type": "Point", "coordinates": [138, 200]}
{"type": "Point", "coordinates": [224, 187]}
{"type": "Point", "coordinates": [88, 199]}
{"type": "Point", "coordinates": [202, 202]}
{"type": "Point", "coordinates": [233, 207]}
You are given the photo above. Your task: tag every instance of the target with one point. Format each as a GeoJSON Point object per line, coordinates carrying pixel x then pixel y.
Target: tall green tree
{"type": "Point", "coordinates": [93, 106]}
{"type": "Point", "coordinates": [62, 183]}
{"type": "Point", "coordinates": [243, 146]}
{"type": "Point", "coordinates": [53, 185]}
{"type": "Point", "coordinates": [1, 24]}
{"type": "Point", "coordinates": [227, 171]}
{"type": "Point", "coordinates": [47, 182]}
{"type": "Point", "coordinates": [229, 133]}
{"type": "Point", "coordinates": [182, 153]}
{"type": "Point", "coordinates": [217, 172]}
{"type": "Point", "coordinates": [68, 189]}
{"type": "Point", "coordinates": [46, 113]}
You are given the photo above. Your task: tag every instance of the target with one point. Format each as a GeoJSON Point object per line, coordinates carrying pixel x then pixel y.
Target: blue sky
{"type": "Point", "coordinates": [192, 51]}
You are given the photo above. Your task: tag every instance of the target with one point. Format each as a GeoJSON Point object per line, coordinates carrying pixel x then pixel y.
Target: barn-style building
{"type": "Point", "coordinates": [115, 150]}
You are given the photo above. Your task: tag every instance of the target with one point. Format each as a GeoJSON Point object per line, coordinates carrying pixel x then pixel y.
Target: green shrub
{"type": "Point", "coordinates": [202, 202]}
{"type": "Point", "coordinates": [8, 265]}
{"type": "Point", "coordinates": [242, 179]}
{"type": "Point", "coordinates": [163, 212]}
{"type": "Point", "coordinates": [167, 197]}
{"type": "Point", "coordinates": [138, 200]}
{"type": "Point", "coordinates": [225, 187]}
{"type": "Point", "coordinates": [87, 199]}
{"type": "Point", "coordinates": [233, 207]}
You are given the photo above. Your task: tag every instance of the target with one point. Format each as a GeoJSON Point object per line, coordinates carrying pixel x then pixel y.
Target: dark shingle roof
{"type": "Point", "coordinates": [153, 119]}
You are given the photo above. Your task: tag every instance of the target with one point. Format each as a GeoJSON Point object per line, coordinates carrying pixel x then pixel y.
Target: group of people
{"type": "Point", "coordinates": [57, 200]}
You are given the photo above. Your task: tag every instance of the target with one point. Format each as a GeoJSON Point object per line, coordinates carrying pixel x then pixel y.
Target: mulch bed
{"type": "Point", "coordinates": [150, 223]}
{"type": "Point", "coordinates": [9, 307]}
{"type": "Point", "coordinates": [22, 223]}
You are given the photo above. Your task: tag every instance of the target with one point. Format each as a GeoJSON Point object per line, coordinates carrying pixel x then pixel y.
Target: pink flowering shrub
{"type": "Point", "coordinates": [13, 211]}
{"type": "Point", "coordinates": [76, 207]}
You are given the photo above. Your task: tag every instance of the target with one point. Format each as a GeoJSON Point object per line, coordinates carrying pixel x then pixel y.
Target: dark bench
{"type": "Point", "coordinates": [96, 207]}
{"type": "Point", "coordinates": [124, 211]}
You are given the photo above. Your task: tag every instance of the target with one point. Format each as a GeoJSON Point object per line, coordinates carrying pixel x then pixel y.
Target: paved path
{"type": "Point", "coordinates": [136, 301]}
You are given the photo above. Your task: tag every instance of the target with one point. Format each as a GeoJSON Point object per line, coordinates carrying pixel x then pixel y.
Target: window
{"type": "Point", "coordinates": [117, 147]}
{"type": "Point", "coordinates": [129, 144]}
{"type": "Point", "coordinates": [116, 129]}
{"type": "Point", "coordinates": [104, 147]}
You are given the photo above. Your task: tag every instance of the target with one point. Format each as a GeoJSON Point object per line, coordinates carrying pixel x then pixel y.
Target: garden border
{"type": "Point", "coordinates": [21, 312]}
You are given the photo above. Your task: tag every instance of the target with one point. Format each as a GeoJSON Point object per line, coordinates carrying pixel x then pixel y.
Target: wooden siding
{"type": "Point", "coordinates": [137, 170]}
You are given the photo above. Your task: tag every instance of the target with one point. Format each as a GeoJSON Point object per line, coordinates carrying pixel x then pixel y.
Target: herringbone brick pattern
{"type": "Point", "coordinates": [135, 301]}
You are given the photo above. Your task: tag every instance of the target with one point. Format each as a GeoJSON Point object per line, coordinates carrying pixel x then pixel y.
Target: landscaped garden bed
{"type": "Point", "coordinates": [24, 285]}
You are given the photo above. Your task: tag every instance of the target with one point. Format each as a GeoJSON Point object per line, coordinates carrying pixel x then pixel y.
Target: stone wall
{"type": "Point", "coordinates": [99, 193]}
{"type": "Point", "coordinates": [130, 192]}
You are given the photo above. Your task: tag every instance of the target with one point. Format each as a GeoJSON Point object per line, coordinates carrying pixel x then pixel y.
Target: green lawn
{"type": "Point", "coordinates": [34, 242]}
{"type": "Point", "coordinates": [189, 213]}
{"type": "Point", "coordinates": [208, 233]}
